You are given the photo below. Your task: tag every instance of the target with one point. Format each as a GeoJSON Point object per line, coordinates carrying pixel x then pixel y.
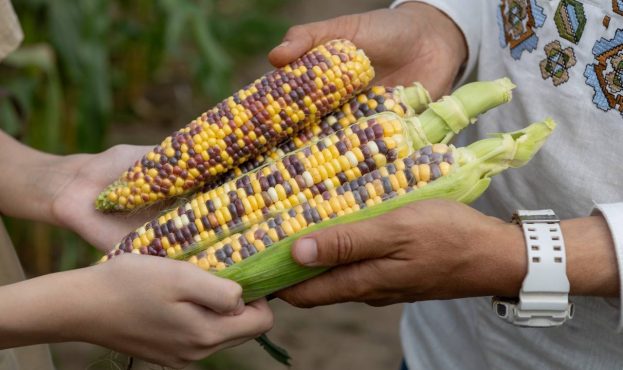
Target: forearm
{"type": "Point", "coordinates": [30, 180]}
{"type": "Point", "coordinates": [591, 260]}
{"type": "Point", "coordinates": [42, 310]}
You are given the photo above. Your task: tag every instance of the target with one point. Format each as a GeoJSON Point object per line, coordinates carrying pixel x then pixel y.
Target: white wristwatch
{"type": "Point", "coordinates": [544, 297]}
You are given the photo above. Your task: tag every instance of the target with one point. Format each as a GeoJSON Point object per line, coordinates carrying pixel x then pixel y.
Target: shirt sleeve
{"type": "Point", "coordinates": [613, 214]}
{"type": "Point", "coordinates": [468, 19]}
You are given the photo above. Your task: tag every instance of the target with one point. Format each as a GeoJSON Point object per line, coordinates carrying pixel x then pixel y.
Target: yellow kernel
{"type": "Point", "coordinates": [236, 257]}
{"type": "Point", "coordinates": [287, 228]}
{"type": "Point", "coordinates": [424, 172]}
{"type": "Point", "coordinates": [402, 179]}
{"type": "Point", "coordinates": [212, 259]}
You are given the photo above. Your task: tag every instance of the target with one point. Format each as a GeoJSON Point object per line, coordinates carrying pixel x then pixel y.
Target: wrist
{"type": "Point", "coordinates": [41, 310]}
{"type": "Point", "coordinates": [500, 263]}
{"type": "Point", "coordinates": [591, 259]}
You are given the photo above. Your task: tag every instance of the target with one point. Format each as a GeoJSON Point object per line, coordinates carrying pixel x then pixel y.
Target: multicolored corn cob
{"type": "Point", "coordinates": [292, 180]}
{"type": "Point", "coordinates": [273, 268]}
{"type": "Point", "coordinates": [404, 101]}
{"type": "Point", "coordinates": [302, 175]}
{"type": "Point", "coordinates": [400, 177]}
{"type": "Point", "coordinates": [252, 121]}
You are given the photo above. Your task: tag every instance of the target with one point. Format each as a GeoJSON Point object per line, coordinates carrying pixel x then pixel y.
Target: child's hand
{"type": "Point", "coordinates": [164, 311]}
{"type": "Point", "coordinates": [414, 42]}
{"type": "Point", "coordinates": [86, 175]}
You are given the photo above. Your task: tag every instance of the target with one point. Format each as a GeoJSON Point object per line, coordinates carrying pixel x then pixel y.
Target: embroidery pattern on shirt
{"type": "Point", "coordinates": [570, 20]}
{"type": "Point", "coordinates": [605, 76]}
{"type": "Point", "coordinates": [617, 6]}
{"type": "Point", "coordinates": [517, 21]}
{"type": "Point", "coordinates": [557, 62]}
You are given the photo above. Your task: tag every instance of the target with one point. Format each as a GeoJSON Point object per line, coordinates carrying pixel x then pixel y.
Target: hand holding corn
{"type": "Point", "coordinates": [414, 42]}
{"type": "Point", "coordinates": [433, 249]}
{"type": "Point", "coordinates": [168, 312]}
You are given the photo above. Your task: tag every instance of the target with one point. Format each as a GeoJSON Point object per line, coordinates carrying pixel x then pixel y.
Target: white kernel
{"type": "Point", "coordinates": [272, 193]}
{"type": "Point", "coordinates": [352, 158]}
{"type": "Point", "coordinates": [141, 230]}
{"type": "Point", "coordinates": [302, 198]}
{"type": "Point", "coordinates": [309, 180]}
{"type": "Point", "coordinates": [178, 222]}
{"type": "Point", "coordinates": [374, 149]}
{"type": "Point", "coordinates": [329, 184]}
{"type": "Point", "coordinates": [185, 220]}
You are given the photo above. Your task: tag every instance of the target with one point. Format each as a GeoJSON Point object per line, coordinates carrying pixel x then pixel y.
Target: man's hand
{"type": "Point", "coordinates": [432, 249]}
{"type": "Point", "coordinates": [414, 42]}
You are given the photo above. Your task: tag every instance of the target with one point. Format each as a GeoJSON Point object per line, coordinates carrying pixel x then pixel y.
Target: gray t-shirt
{"type": "Point", "coordinates": [566, 58]}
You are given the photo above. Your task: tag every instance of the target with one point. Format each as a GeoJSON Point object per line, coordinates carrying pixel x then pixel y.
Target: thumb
{"type": "Point", "coordinates": [340, 245]}
{"type": "Point", "coordinates": [300, 39]}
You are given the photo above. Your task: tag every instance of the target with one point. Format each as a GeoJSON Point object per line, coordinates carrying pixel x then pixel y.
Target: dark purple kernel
{"type": "Point", "coordinates": [228, 250]}
{"type": "Point", "coordinates": [448, 158]}
{"type": "Point", "coordinates": [371, 164]}
{"type": "Point", "coordinates": [357, 198]}
{"type": "Point", "coordinates": [363, 193]}
{"type": "Point", "coordinates": [229, 261]}
{"type": "Point", "coordinates": [244, 253]}
{"type": "Point", "coordinates": [342, 177]}
{"type": "Point", "coordinates": [387, 186]}
{"type": "Point", "coordinates": [424, 159]}
{"type": "Point", "coordinates": [179, 235]}
{"type": "Point", "coordinates": [435, 171]}
{"type": "Point", "coordinates": [220, 255]}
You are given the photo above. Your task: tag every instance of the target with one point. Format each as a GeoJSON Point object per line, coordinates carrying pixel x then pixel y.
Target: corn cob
{"type": "Point", "coordinates": [404, 101]}
{"type": "Point", "coordinates": [387, 182]}
{"type": "Point", "coordinates": [255, 119]}
{"type": "Point", "coordinates": [274, 269]}
{"type": "Point", "coordinates": [301, 176]}
{"type": "Point", "coordinates": [310, 171]}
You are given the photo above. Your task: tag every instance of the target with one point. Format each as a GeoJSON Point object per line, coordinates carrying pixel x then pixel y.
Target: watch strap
{"type": "Point", "coordinates": [543, 300]}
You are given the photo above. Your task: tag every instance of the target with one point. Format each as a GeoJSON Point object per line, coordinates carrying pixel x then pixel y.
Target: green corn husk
{"type": "Point", "coordinates": [274, 269]}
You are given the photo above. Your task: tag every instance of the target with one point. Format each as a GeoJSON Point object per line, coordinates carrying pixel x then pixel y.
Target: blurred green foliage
{"type": "Point", "coordinates": [86, 63]}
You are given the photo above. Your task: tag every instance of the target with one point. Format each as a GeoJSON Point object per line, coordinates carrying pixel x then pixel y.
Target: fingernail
{"type": "Point", "coordinates": [307, 251]}
{"type": "Point", "coordinates": [239, 307]}
{"type": "Point", "coordinates": [283, 44]}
